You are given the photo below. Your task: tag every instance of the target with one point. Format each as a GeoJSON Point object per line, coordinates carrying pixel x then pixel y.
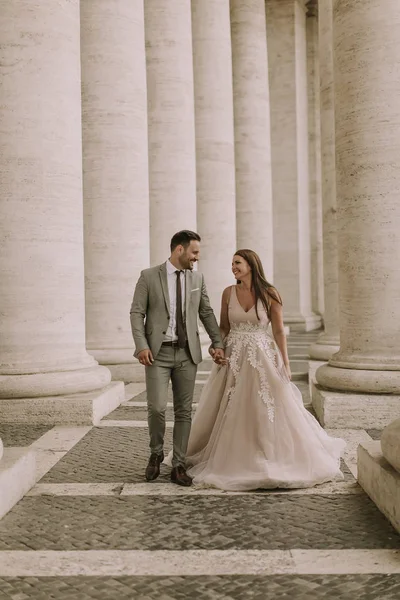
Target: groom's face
{"type": "Point", "coordinates": [190, 255]}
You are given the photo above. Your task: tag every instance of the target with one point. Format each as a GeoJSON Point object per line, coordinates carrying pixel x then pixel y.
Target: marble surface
{"type": "Point", "coordinates": [115, 562]}
{"type": "Point", "coordinates": [168, 489]}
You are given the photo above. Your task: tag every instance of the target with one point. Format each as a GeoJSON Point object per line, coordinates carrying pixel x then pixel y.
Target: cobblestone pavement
{"type": "Point", "coordinates": [21, 435]}
{"type": "Point", "coordinates": [61, 526]}
{"type": "Point", "coordinates": [275, 587]}
{"type": "Point", "coordinates": [259, 522]}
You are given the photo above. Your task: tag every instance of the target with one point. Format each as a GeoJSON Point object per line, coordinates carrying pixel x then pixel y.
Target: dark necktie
{"type": "Point", "coordinates": [180, 327]}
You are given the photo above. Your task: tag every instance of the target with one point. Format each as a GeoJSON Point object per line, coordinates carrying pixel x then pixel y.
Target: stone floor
{"type": "Point", "coordinates": [91, 528]}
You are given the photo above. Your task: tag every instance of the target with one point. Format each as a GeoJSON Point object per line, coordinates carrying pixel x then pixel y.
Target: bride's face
{"type": "Point", "coordinates": [240, 267]}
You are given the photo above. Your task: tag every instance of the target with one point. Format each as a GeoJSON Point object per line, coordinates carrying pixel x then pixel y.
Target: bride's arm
{"type": "Point", "coordinates": [224, 324]}
{"type": "Point", "coordinates": [278, 330]}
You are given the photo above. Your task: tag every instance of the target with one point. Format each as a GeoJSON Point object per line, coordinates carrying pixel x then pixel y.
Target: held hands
{"type": "Point", "coordinates": [145, 358]}
{"type": "Point", "coordinates": [218, 356]}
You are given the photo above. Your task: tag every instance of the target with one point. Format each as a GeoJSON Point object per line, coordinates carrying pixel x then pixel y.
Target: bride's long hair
{"type": "Point", "coordinates": [263, 290]}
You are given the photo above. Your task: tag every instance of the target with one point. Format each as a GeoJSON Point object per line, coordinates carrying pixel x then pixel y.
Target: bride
{"type": "Point", "coordinates": [251, 429]}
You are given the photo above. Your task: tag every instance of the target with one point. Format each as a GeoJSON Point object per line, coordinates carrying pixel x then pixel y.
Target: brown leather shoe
{"type": "Point", "coordinates": [180, 477]}
{"type": "Point", "coordinates": [153, 466]}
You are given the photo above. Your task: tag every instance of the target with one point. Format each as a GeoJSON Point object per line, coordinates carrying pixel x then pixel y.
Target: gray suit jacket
{"type": "Point", "coordinates": [150, 312]}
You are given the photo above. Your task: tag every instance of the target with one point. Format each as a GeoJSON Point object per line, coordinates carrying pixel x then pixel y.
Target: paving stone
{"type": "Point", "coordinates": [110, 454]}
{"type": "Point", "coordinates": [133, 413]}
{"type": "Point", "coordinates": [114, 454]}
{"type": "Point", "coordinates": [15, 434]}
{"type": "Point", "coordinates": [255, 521]}
{"type": "Point", "coordinates": [276, 587]}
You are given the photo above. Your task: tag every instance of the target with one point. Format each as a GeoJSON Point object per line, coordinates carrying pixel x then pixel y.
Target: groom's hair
{"type": "Point", "coordinates": [183, 238]}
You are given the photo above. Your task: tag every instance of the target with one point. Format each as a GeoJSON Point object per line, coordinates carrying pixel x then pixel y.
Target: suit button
{"type": "Point", "coordinates": [164, 332]}
{"type": "Point", "coordinates": [168, 318]}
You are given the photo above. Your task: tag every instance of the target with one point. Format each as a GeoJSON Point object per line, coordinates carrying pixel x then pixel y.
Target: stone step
{"type": "Point", "coordinates": [17, 476]}
{"type": "Point", "coordinates": [380, 480]}
{"type": "Point", "coordinates": [74, 409]}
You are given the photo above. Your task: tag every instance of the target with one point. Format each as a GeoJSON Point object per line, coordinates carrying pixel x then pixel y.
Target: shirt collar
{"type": "Point", "coordinates": [170, 267]}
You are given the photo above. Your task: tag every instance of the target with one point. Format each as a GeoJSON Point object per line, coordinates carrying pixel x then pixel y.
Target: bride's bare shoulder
{"type": "Point", "coordinates": [274, 295]}
{"type": "Point", "coordinates": [226, 294]}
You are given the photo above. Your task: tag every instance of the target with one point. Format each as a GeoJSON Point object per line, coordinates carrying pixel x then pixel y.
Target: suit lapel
{"type": "Point", "coordinates": [164, 285]}
{"type": "Point", "coordinates": [188, 289]}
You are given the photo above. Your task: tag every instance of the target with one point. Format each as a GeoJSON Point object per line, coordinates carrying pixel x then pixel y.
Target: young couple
{"type": "Point", "coordinates": [251, 429]}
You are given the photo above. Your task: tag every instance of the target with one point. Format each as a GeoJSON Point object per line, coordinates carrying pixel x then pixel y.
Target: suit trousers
{"type": "Point", "coordinates": [175, 365]}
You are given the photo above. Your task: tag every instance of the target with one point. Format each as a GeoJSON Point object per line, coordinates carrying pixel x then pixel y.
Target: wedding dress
{"type": "Point", "coordinates": [251, 429]}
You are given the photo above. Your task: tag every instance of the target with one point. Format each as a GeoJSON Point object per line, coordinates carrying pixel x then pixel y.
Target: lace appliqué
{"type": "Point", "coordinates": [250, 337]}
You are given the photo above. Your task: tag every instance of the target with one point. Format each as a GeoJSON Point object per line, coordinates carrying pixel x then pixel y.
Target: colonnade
{"type": "Point", "coordinates": [123, 122]}
{"type": "Point", "coordinates": [359, 386]}
{"type": "Point", "coordinates": [259, 124]}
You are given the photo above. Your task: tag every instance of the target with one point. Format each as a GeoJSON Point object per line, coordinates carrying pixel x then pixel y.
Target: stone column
{"type": "Point", "coordinates": [328, 342]}
{"type": "Point", "coordinates": [367, 86]}
{"type": "Point", "coordinates": [115, 174]}
{"type": "Point", "coordinates": [215, 150]}
{"type": "Point", "coordinates": [172, 151]}
{"type": "Point", "coordinates": [314, 153]}
{"type": "Point", "coordinates": [287, 51]}
{"type": "Point", "coordinates": [42, 306]}
{"type": "Point", "coordinates": [252, 130]}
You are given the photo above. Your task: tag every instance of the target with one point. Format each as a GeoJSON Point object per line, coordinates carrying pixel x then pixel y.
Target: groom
{"type": "Point", "coordinates": [167, 302]}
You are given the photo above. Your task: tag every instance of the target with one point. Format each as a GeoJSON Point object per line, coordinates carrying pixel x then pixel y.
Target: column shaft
{"type": "Point", "coordinates": [215, 151]}
{"type": "Point", "coordinates": [252, 130]}
{"type": "Point", "coordinates": [287, 51]}
{"type": "Point", "coordinates": [328, 343]}
{"type": "Point", "coordinates": [314, 164]}
{"type": "Point", "coordinates": [115, 170]}
{"type": "Point", "coordinates": [367, 87]}
{"type": "Point", "coordinates": [42, 306]}
{"type": "Point", "coordinates": [172, 160]}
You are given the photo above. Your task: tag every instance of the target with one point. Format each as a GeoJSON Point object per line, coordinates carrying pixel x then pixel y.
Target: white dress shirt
{"type": "Point", "coordinates": [171, 270]}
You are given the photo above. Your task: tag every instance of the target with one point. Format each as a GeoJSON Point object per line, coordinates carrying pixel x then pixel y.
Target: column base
{"type": "Point", "coordinates": [303, 324]}
{"type": "Point", "coordinates": [323, 350]}
{"type": "Point", "coordinates": [313, 365]}
{"type": "Point", "coordinates": [17, 476]}
{"type": "Point", "coordinates": [379, 480]}
{"type": "Point", "coordinates": [76, 409]}
{"type": "Point", "coordinates": [121, 363]}
{"type": "Point", "coordinates": [359, 381]}
{"type": "Point", "coordinates": [340, 410]}
{"type": "Point", "coordinates": [132, 372]}
{"type": "Point", "coordinates": [51, 383]}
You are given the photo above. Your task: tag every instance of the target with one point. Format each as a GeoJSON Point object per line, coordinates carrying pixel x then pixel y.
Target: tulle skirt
{"type": "Point", "coordinates": [251, 429]}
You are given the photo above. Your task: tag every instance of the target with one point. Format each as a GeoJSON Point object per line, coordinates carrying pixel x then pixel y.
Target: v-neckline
{"type": "Point", "coordinates": [237, 299]}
